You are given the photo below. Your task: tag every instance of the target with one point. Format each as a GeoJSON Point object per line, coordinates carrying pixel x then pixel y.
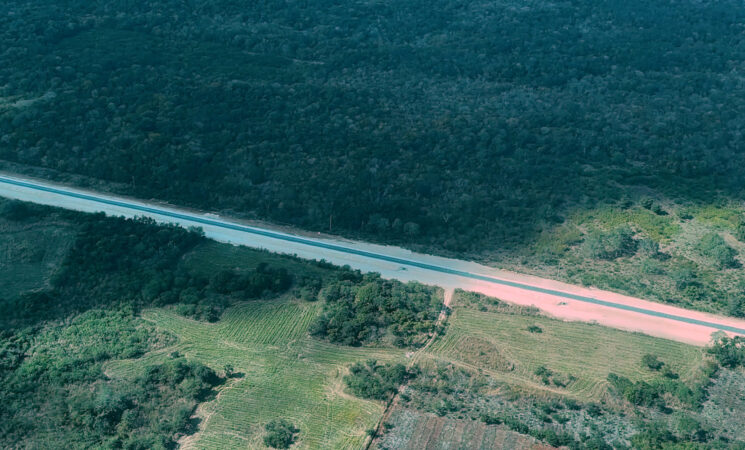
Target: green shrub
{"type": "Point", "coordinates": [610, 245]}
{"type": "Point", "coordinates": [713, 247]}
{"type": "Point", "coordinates": [371, 380]}
{"type": "Point", "coordinates": [730, 352]}
{"type": "Point", "coordinates": [280, 433]}
{"type": "Point", "coordinates": [652, 362]}
{"type": "Point", "coordinates": [740, 231]}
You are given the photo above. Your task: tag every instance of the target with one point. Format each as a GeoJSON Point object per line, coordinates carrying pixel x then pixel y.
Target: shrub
{"type": "Point", "coordinates": [371, 380]}
{"type": "Point", "coordinates": [740, 231]}
{"type": "Point", "coordinates": [736, 305]}
{"type": "Point", "coordinates": [611, 245]}
{"type": "Point", "coordinates": [730, 352]}
{"type": "Point", "coordinates": [280, 433]}
{"type": "Point", "coordinates": [651, 362]}
{"type": "Point", "coordinates": [714, 247]}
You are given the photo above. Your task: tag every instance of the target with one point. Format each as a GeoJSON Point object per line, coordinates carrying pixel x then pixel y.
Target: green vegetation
{"type": "Point", "coordinates": [611, 245]}
{"type": "Point", "coordinates": [279, 373]}
{"type": "Point", "coordinates": [685, 257]}
{"type": "Point", "coordinates": [458, 138]}
{"type": "Point", "coordinates": [642, 393]}
{"type": "Point", "coordinates": [652, 362]}
{"type": "Point", "coordinates": [280, 434]}
{"type": "Point", "coordinates": [55, 391]}
{"type": "Point", "coordinates": [365, 309]}
{"type": "Point", "coordinates": [376, 381]}
{"type": "Point", "coordinates": [501, 344]}
{"type": "Point", "coordinates": [714, 247]}
{"type": "Point", "coordinates": [81, 366]}
{"type": "Point", "coordinates": [115, 353]}
{"type": "Point", "coordinates": [730, 352]}
{"type": "Point", "coordinates": [574, 385]}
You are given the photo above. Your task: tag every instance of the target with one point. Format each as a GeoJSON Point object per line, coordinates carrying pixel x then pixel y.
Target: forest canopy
{"type": "Point", "coordinates": [459, 125]}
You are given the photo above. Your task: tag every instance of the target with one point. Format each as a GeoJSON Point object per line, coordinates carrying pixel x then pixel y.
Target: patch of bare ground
{"type": "Point", "coordinates": [414, 430]}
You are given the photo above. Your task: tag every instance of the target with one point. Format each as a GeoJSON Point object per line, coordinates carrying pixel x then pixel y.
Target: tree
{"type": "Point", "coordinates": [730, 352]}
{"type": "Point", "coordinates": [371, 380]}
{"type": "Point", "coordinates": [611, 245]}
{"type": "Point", "coordinates": [651, 362]}
{"type": "Point", "coordinates": [280, 433]}
{"type": "Point", "coordinates": [713, 246]}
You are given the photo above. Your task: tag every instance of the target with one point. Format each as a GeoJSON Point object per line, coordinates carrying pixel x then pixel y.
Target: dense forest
{"type": "Point", "coordinates": [458, 125]}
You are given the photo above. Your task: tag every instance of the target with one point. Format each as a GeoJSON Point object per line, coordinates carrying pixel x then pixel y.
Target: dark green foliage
{"type": "Point", "coordinates": [271, 109]}
{"type": "Point", "coordinates": [650, 249]}
{"type": "Point", "coordinates": [366, 309]}
{"type": "Point", "coordinates": [377, 381]}
{"type": "Point", "coordinates": [535, 329]}
{"type": "Point", "coordinates": [55, 391]}
{"type": "Point", "coordinates": [713, 246]}
{"type": "Point", "coordinates": [640, 393]}
{"type": "Point", "coordinates": [280, 433]}
{"type": "Point", "coordinates": [650, 394]}
{"type": "Point", "coordinates": [730, 352]}
{"type": "Point", "coordinates": [736, 305]}
{"type": "Point", "coordinates": [610, 245]}
{"type": "Point", "coordinates": [655, 436]}
{"type": "Point", "coordinates": [652, 362]}
{"type": "Point", "coordinates": [55, 340]}
{"type": "Point", "coordinates": [490, 419]}
{"type": "Point", "coordinates": [137, 263]}
{"type": "Point", "coordinates": [549, 377]}
{"type": "Point", "coordinates": [18, 211]}
{"type": "Point", "coordinates": [740, 231]}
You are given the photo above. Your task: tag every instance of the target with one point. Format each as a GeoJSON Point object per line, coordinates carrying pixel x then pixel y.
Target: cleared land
{"type": "Point", "coordinates": [417, 431]}
{"type": "Point", "coordinates": [283, 373]}
{"type": "Point", "coordinates": [500, 344]}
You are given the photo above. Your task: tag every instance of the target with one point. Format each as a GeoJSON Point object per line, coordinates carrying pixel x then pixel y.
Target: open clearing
{"type": "Point", "coordinates": [501, 345]}
{"type": "Point", "coordinates": [283, 374]}
{"type": "Point", "coordinates": [419, 431]}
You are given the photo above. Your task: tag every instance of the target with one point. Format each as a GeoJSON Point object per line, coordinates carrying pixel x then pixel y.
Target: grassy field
{"type": "Point", "coordinates": [501, 345]}
{"type": "Point", "coordinates": [283, 374]}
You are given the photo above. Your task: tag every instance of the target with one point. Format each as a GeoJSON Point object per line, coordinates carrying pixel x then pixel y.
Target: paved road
{"type": "Point", "coordinates": [393, 262]}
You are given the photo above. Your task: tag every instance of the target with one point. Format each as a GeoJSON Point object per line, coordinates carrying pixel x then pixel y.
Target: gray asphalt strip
{"type": "Point", "coordinates": [338, 248]}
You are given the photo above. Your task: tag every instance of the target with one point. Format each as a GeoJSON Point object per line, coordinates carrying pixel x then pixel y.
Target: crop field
{"type": "Point", "coordinates": [413, 430]}
{"type": "Point", "coordinates": [281, 373]}
{"type": "Point", "coordinates": [501, 345]}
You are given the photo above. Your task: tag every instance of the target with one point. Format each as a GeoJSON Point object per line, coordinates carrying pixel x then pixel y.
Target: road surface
{"type": "Point", "coordinates": [556, 299]}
